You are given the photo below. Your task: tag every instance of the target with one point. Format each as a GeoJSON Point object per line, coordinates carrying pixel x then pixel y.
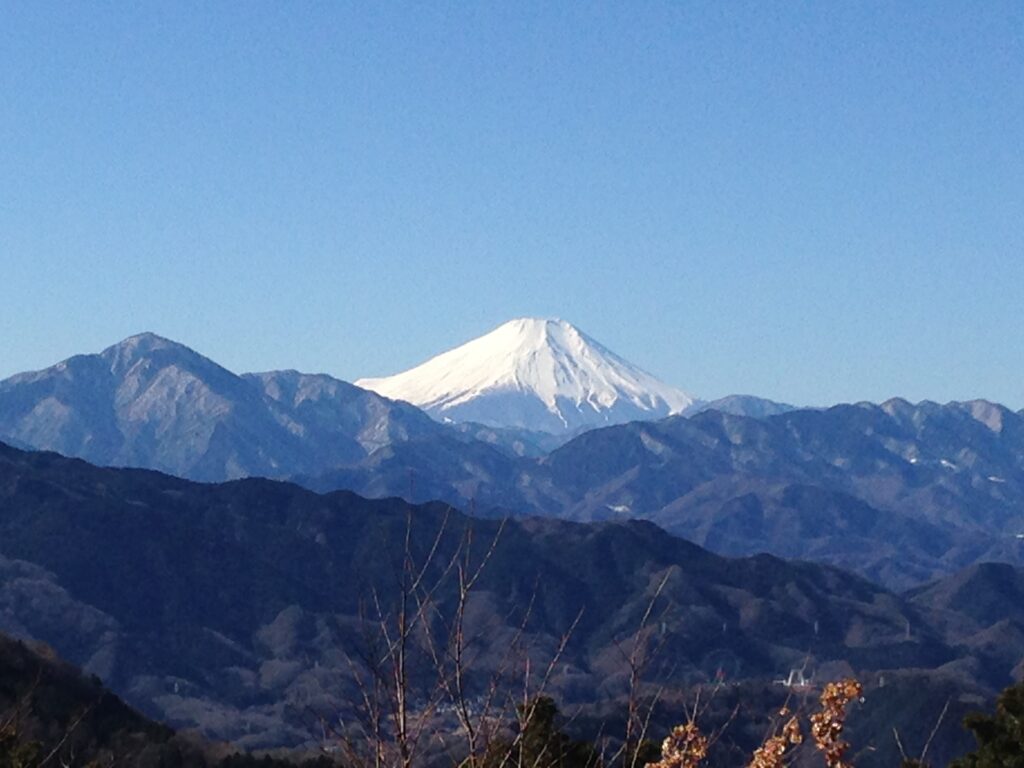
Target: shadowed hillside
{"type": "Point", "coordinates": [239, 608]}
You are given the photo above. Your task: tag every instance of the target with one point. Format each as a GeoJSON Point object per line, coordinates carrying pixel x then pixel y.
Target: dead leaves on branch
{"type": "Point", "coordinates": [687, 746]}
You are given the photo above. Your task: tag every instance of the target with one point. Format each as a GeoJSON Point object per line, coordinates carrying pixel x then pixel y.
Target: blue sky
{"type": "Point", "coordinates": [815, 202]}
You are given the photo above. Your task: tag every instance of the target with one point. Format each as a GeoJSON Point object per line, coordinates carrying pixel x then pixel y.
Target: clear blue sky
{"type": "Point", "coordinates": [810, 201]}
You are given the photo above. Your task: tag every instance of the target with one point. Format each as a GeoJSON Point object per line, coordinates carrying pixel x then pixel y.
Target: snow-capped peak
{"type": "Point", "coordinates": [541, 374]}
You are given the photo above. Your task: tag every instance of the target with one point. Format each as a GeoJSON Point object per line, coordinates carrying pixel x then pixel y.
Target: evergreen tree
{"type": "Point", "coordinates": [15, 752]}
{"type": "Point", "coordinates": [541, 743]}
{"type": "Point", "coordinates": [1000, 736]}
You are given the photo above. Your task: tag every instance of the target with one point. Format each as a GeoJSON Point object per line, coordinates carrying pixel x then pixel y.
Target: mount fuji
{"type": "Point", "coordinates": [534, 374]}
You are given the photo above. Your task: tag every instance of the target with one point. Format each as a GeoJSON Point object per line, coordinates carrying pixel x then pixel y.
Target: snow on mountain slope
{"type": "Point", "coordinates": [534, 374]}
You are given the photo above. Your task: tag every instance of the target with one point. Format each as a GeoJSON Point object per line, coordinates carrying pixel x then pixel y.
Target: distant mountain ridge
{"type": "Point", "coordinates": [742, 405]}
{"type": "Point", "coordinates": [148, 401]}
{"type": "Point", "coordinates": [899, 492]}
{"type": "Point", "coordinates": [536, 374]}
{"type": "Point", "coordinates": [151, 402]}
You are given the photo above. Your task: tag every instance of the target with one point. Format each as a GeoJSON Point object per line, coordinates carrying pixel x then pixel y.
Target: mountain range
{"type": "Point", "coordinates": [237, 608]}
{"type": "Point", "coordinates": [898, 492]}
{"type": "Point", "coordinates": [240, 609]}
{"type": "Point", "coordinates": [150, 402]}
